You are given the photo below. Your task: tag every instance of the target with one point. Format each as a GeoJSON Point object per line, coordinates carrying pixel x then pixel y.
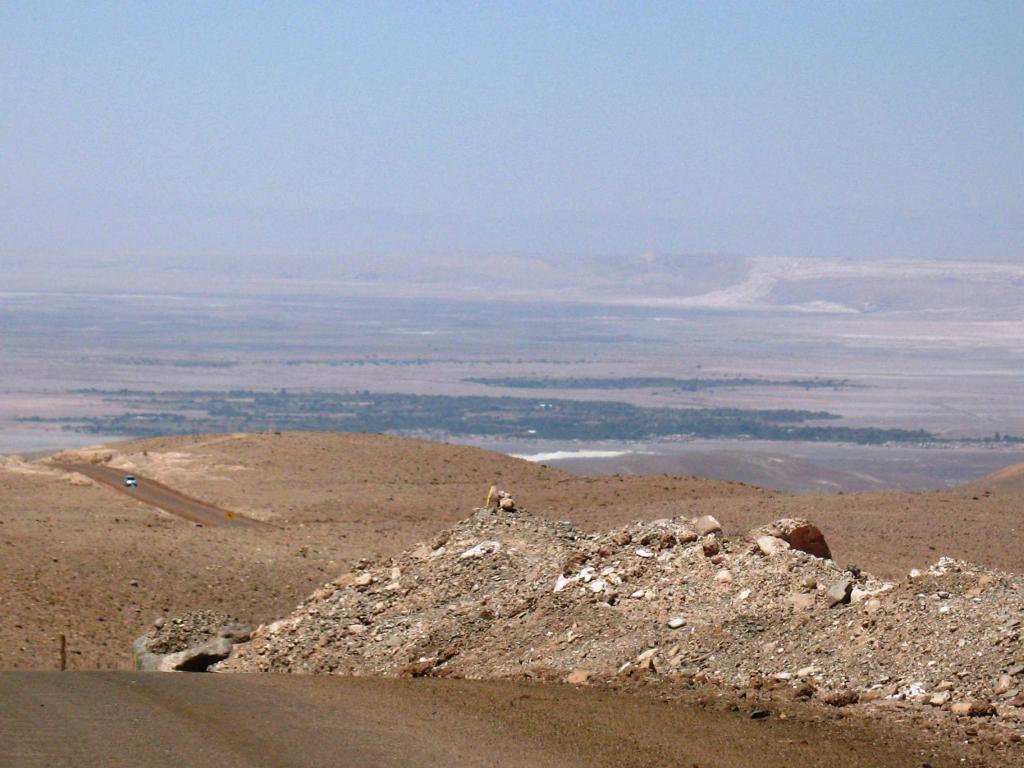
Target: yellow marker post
{"type": "Point", "coordinates": [491, 494]}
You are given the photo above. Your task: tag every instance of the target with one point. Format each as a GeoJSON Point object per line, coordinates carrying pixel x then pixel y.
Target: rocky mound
{"type": "Point", "coordinates": [191, 642]}
{"type": "Point", "coordinates": [505, 594]}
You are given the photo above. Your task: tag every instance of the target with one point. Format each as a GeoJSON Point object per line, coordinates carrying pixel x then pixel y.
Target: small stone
{"type": "Point", "coordinates": [939, 698]}
{"type": "Point", "coordinates": [724, 576]}
{"type": "Point", "coordinates": [707, 525]}
{"type": "Point", "coordinates": [770, 545]}
{"type": "Point", "coordinates": [646, 659]}
{"type": "Point", "coordinates": [356, 629]}
{"type": "Point", "coordinates": [159, 622]}
{"type": "Point", "coordinates": [578, 677]}
{"type": "Point", "coordinates": [973, 708]}
{"type": "Point", "coordinates": [710, 547]}
{"type": "Point", "coordinates": [873, 605]}
{"type": "Point", "coordinates": [759, 714]}
{"type": "Point", "coordinates": [841, 698]}
{"type": "Point", "coordinates": [562, 582]}
{"type": "Point", "coordinates": [1003, 684]}
{"type": "Point", "coordinates": [481, 549]}
{"type": "Point", "coordinates": [363, 580]}
{"type": "Point", "coordinates": [644, 552]}
{"type": "Point", "coordinates": [839, 592]}
{"type": "Point", "coordinates": [676, 622]}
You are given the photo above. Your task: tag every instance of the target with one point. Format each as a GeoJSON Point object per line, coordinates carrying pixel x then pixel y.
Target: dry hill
{"type": "Point", "coordinates": [1008, 479]}
{"type": "Point", "coordinates": [93, 564]}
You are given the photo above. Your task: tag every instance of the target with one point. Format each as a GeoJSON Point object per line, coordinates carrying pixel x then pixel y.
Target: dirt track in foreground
{"type": "Point", "coordinates": [154, 720]}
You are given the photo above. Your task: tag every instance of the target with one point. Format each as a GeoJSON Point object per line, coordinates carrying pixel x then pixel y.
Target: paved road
{"type": "Point", "coordinates": [160, 496]}
{"type": "Point", "coordinates": [173, 720]}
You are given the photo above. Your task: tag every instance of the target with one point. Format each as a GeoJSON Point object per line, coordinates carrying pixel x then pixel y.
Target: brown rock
{"type": "Point", "coordinates": [707, 525]}
{"type": "Point", "coordinates": [973, 708]}
{"type": "Point", "coordinates": [841, 698]}
{"type": "Point", "coordinates": [416, 669]}
{"type": "Point", "coordinates": [574, 562]}
{"type": "Point", "coordinates": [578, 677]}
{"type": "Point", "coordinates": [798, 534]}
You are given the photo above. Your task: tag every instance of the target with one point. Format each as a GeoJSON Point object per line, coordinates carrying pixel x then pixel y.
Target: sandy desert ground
{"type": "Point", "coordinates": [97, 566]}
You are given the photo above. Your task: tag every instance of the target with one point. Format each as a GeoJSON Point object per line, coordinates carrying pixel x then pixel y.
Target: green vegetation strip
{"type": "Point", "coordinates": [202, 411]}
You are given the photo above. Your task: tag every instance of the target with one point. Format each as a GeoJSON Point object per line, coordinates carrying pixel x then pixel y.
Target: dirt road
{"type": "Point", "coordinates": [154, 720]}
{"type": "Point", "coordinates": [160, 496]}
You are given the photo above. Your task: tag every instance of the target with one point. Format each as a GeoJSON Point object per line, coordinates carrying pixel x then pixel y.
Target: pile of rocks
{"type": "Point", "coordinates": [507, 594]}
{"type": "Point", "coordinates": [191, 642]}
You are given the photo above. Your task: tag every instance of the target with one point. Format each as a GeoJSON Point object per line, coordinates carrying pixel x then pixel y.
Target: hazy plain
{"type": "Point", "coordinates": [923, 345]}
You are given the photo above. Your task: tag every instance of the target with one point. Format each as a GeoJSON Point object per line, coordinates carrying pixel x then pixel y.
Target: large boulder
{"type": "Point", "coordinates": [189, 643]}
{"type": "Point", "coordinates": [798, 534]}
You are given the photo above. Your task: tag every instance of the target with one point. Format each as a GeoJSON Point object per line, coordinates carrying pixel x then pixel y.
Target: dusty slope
{"type": "Point", "coordinates": [1008, 479]}
{"type": "Point", "coordinates": [81, 560]}
{"type": "Point", "coordinates": [385, 488]}
{"type": "Point", "coordinates": [93, 564]}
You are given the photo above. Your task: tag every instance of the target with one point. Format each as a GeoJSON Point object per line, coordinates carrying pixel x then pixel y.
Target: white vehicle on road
{"type": "Point", "coordinates": [130, 481]}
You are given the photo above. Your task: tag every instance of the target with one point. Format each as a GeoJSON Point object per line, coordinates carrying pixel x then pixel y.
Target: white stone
{"type": "Point", "coordinates": [769, 545]}
{"type": "Point", "coordinates": [481, 549]}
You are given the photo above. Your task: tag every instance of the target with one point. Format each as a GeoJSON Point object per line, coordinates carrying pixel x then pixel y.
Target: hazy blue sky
{"type": "Point", "coordinates": [818, 129]}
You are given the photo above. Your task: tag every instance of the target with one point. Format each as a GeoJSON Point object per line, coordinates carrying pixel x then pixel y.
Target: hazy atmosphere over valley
{"type": "Point", "coordinates": [676, 291]}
